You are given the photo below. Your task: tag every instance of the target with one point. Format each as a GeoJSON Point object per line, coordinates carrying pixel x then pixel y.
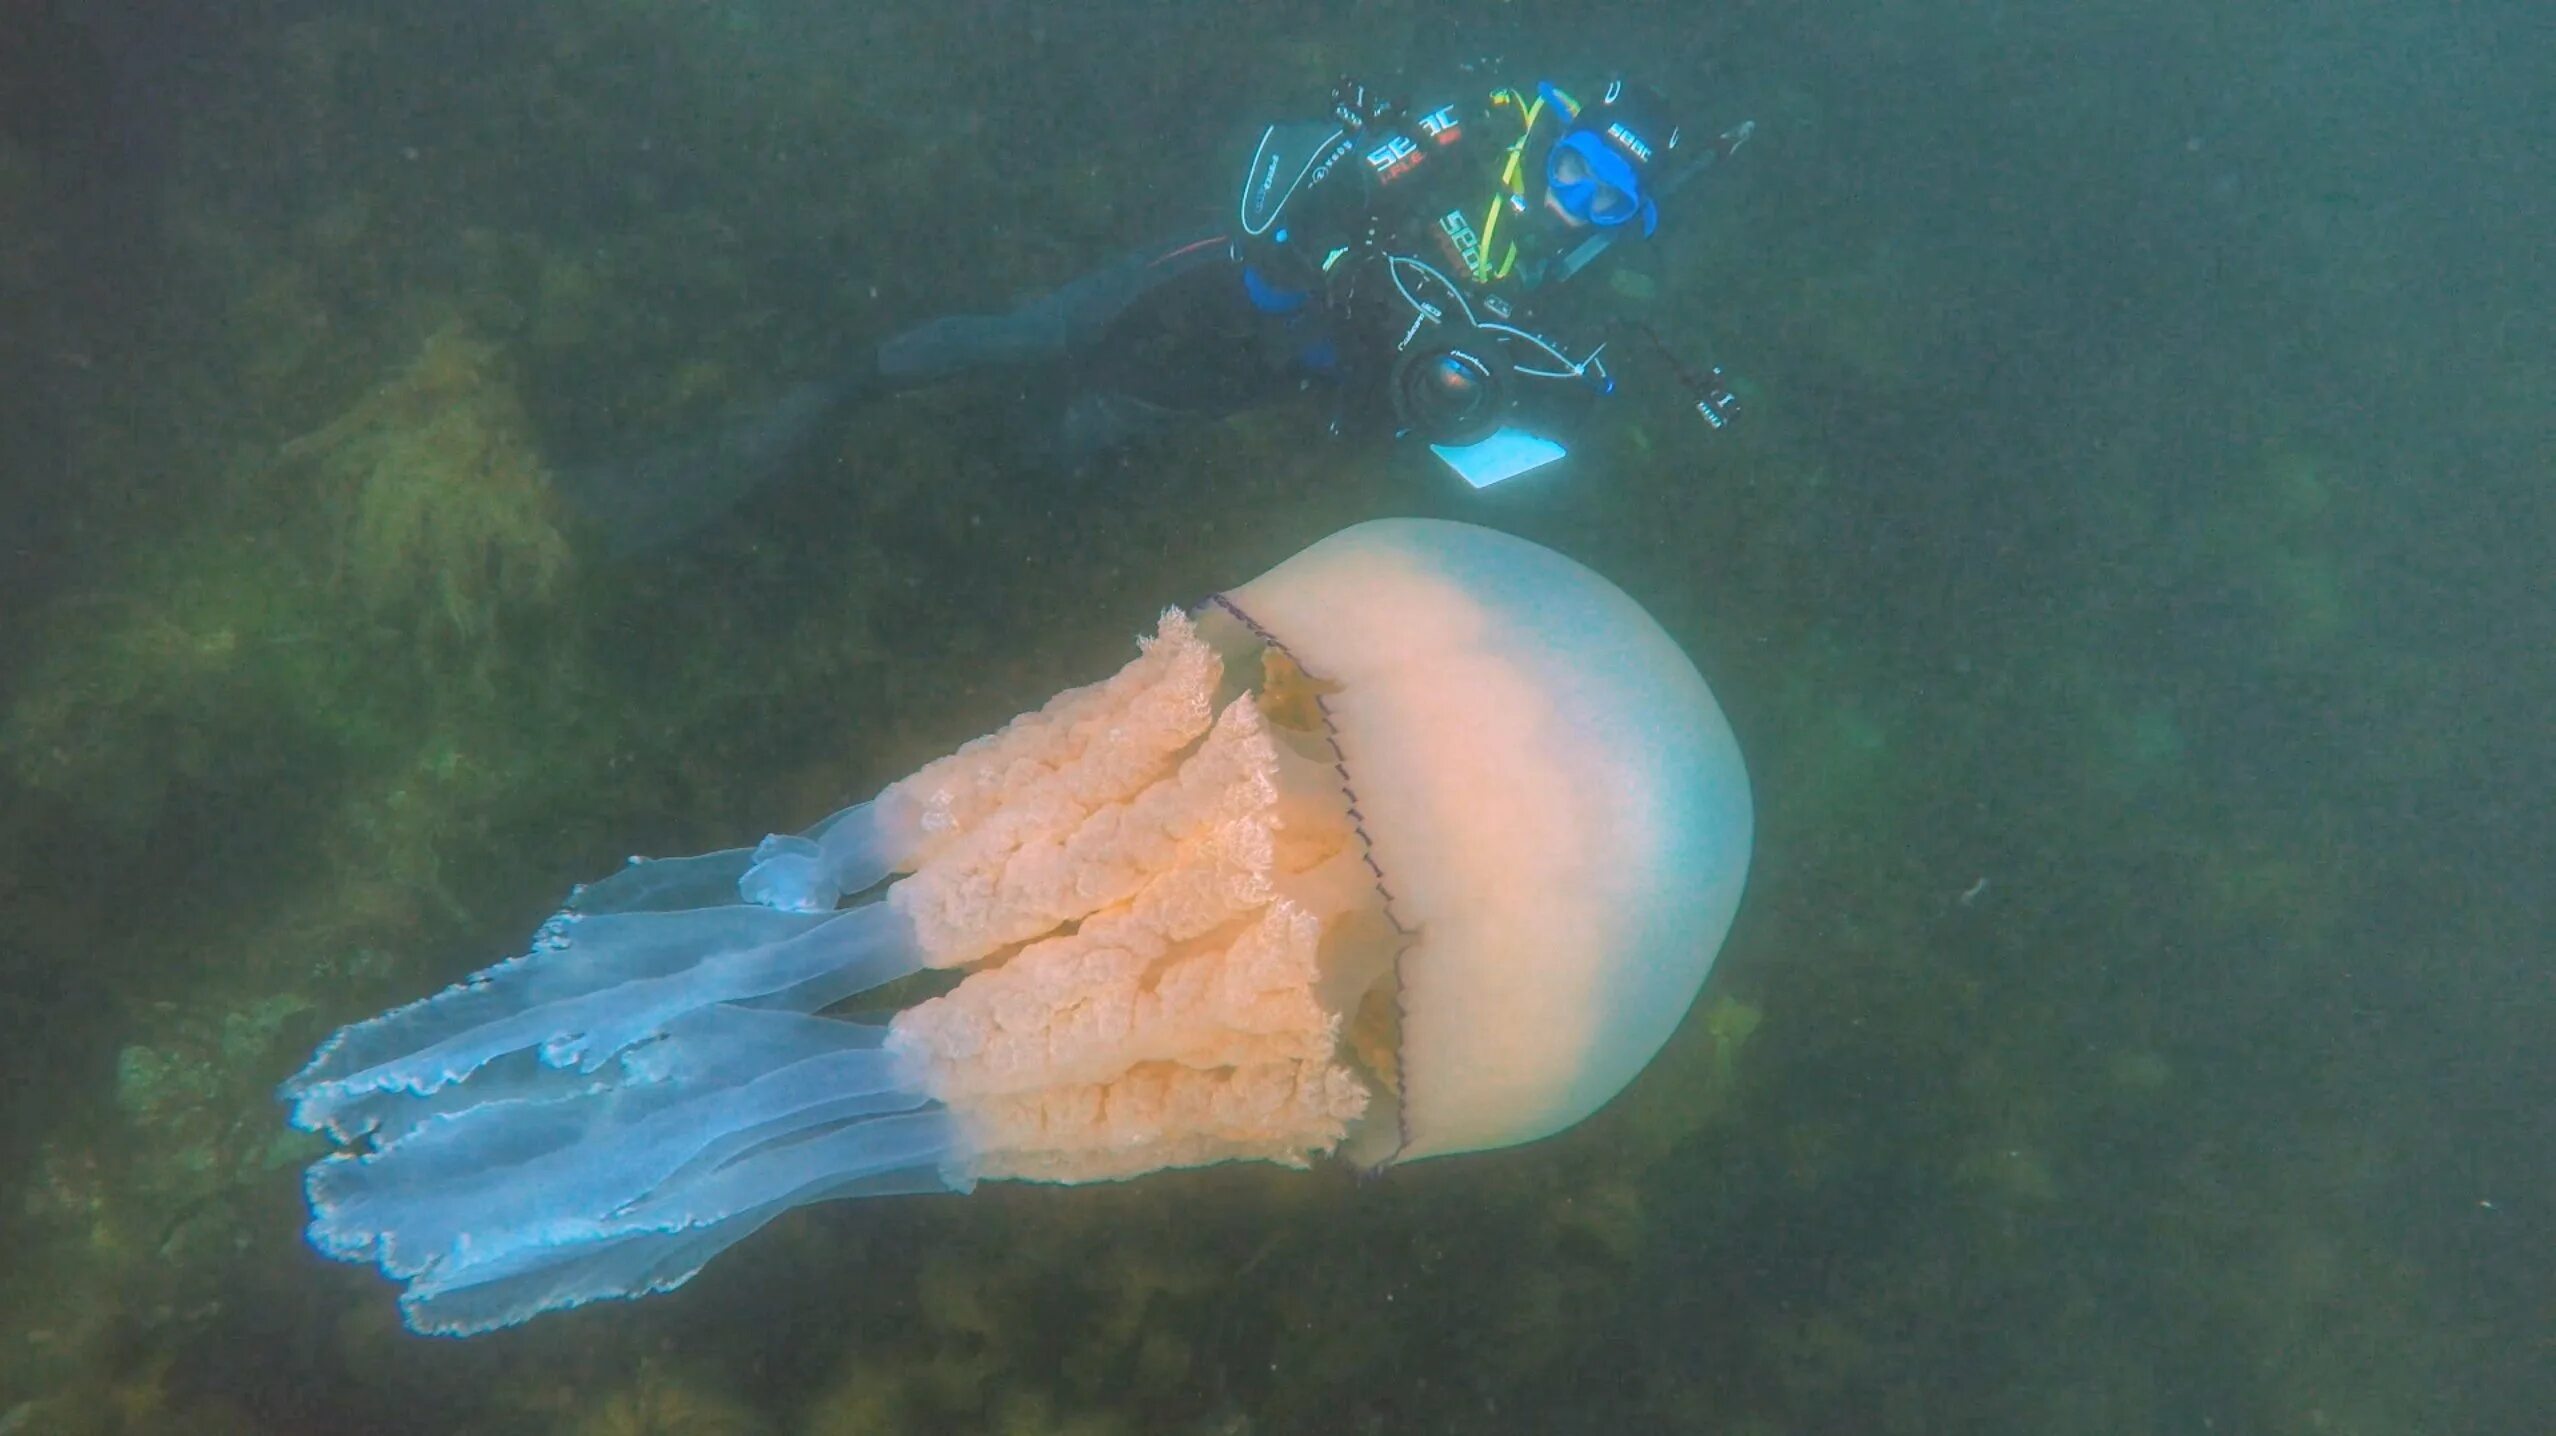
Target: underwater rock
{"type": "Point", "coordinates": [662, 1403]}
{"type": "Point", "coordinates": [439, 501]}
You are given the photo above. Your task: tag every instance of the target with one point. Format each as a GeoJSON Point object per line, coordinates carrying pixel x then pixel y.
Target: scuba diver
{"type": "Point", "coordinates": [1408, 259]}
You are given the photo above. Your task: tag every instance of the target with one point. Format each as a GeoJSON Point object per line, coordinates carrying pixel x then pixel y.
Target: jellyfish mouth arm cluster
{"type": "Point", "coordinates": [1086, 747]}
{"type": "Point", "coordinates": [1164, 933]}
{"type": "Point", "coordinates": [1182, 1024]}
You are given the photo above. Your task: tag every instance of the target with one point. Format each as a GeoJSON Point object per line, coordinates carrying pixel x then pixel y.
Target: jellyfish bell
{"type": "Point", "coordinates": [1553, 797]}
{"type": "Point", "coordinates": [1420, 843]}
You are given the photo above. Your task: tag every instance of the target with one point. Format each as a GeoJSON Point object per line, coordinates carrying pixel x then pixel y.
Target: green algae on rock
{"type": "Point", "coordinates": [439, 498]}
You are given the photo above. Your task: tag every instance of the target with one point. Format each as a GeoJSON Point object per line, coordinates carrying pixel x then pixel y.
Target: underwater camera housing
{"type": "Point", "coordinates": [1455, 395]}
{"type": "Point", "coordinates": [1453, 389]}
{"type": "Point", "coordinates": [1454, 377]}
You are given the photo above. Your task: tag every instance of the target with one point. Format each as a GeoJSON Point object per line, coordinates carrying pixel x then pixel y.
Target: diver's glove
{"type": "Point", "coordinates": [1356, 106]}
{"type": "Point", "coordinates": [1716, 400]}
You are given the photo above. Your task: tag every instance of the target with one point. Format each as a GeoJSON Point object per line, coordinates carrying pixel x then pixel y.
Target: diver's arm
{"type": "Point", "coordinates": [1359, 308]}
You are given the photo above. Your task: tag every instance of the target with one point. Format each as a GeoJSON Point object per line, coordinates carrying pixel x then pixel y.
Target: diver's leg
{"type": "Point", "coordinates": [649, 500]}
{"type": "Point", "coordinates": [639, 502]}
{"type": "Point", "coordinates": [957, 343]}
{"type": "Point", "coordinates": [1096, 424]}
{"type": "Point", "coordinates": [1045, 328]}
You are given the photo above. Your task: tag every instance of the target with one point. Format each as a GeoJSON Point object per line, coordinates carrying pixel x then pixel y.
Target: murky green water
{"type": "Point", "coordinates": [2129, 582]}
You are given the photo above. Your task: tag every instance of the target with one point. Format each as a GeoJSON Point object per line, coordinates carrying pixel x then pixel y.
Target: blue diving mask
{"type": "Point", "coordinates": [1595, 185]}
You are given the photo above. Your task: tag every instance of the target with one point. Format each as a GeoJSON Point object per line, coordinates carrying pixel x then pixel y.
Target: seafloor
{"type": "Point", "coordinates": [2129, 583]}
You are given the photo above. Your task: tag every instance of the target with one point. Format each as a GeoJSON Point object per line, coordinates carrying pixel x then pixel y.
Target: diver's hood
{"type": "Point", "coordinates": [1625, 137]}
{"type": "Point", "coordinates": [1633, 121]}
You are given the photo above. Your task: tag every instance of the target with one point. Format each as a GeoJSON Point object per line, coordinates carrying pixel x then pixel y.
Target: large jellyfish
{"type": "Point", "coordinates": [1420, 843]}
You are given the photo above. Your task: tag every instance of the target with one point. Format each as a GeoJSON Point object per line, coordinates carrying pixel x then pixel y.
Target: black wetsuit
{"type": "Point", "coordinates": [1222, 320]}
{"type": "Point", "coordinates": [1207, 324]}
{"type": "Point", "coordinates": [1163, 334]}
